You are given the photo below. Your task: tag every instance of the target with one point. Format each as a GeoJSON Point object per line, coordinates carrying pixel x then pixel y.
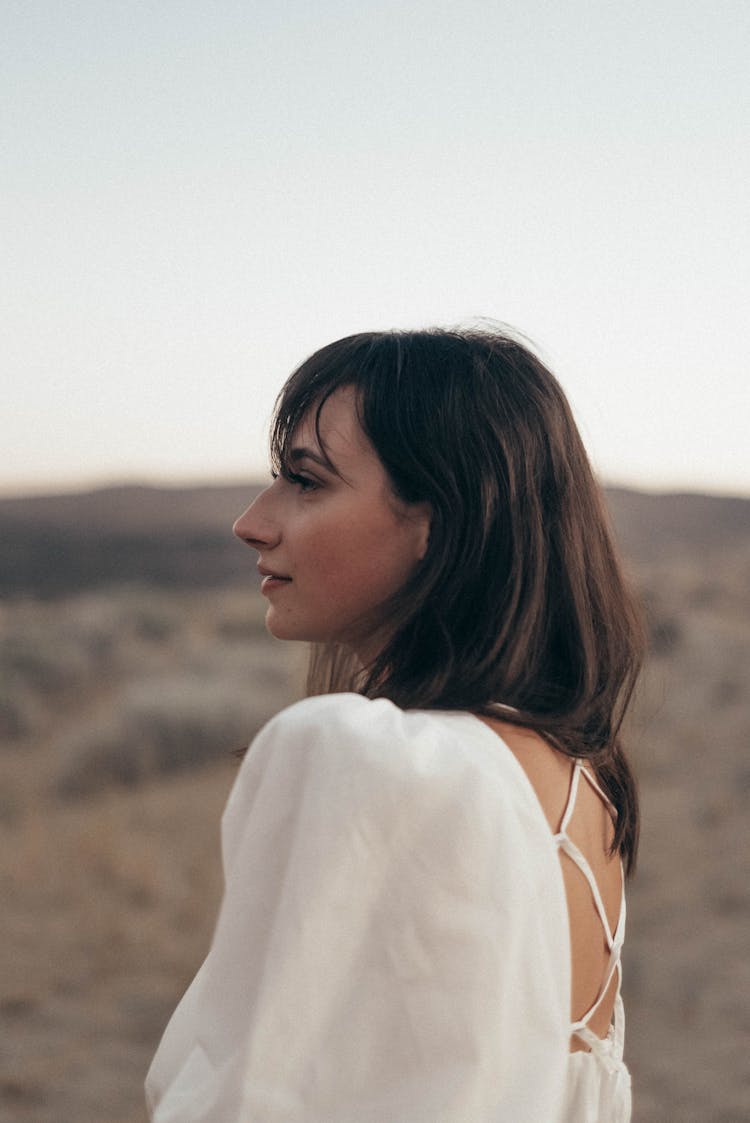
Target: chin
{"type": "Point", "coordinates": [290, 629]}
{"type": "Point", "coordinates": [278, 631]}
{"type": "Point", "coordinates": [284, 628]}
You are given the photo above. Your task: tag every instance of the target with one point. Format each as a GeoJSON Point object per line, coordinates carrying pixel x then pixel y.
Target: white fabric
{"type": "Point", "coordinates": [393, 943]}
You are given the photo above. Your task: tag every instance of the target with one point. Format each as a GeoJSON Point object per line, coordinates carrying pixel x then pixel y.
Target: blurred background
{"type": "Point", "coordinates": [194, 198]}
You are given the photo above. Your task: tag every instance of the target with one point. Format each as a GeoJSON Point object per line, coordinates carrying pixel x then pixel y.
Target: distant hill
{"type": "Point", "coordinates": [132, 509]}
{"type": "Point", "coordinates": [168, 537]}
{"type": "Point", "coordinates": [651, 526]}
{"type": "Point", "coordinates": [182, 537]}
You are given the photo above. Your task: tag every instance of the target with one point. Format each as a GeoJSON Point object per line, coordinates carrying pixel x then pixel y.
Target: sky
{"type": "Point", "coordinates": [194, 197]}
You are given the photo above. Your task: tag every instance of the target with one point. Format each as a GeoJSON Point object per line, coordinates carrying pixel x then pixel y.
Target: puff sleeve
{"type": "Point", "coordinates": [392, 946]}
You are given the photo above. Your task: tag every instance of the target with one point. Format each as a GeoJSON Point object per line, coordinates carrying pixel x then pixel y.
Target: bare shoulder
{"type": "Point", "coordinates": [549, 772]}
{"type": "Point", "coordinates": [547, 769]}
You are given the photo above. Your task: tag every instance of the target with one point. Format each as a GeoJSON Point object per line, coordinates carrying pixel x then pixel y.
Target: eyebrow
{"type": "Point", "coordinates": [297, 454]}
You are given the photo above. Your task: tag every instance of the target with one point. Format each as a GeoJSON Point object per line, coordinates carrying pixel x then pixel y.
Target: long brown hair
{"type": "Point", "coordinates": [520, 598]}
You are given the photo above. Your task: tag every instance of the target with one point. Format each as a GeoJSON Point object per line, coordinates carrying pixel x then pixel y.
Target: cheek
{"type": "Point", "coordinates": [367, 562]}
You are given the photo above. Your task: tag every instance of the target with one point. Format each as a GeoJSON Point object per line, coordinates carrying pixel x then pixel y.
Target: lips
{"type": "Point", "coordinates": [268, 584]}
{"type": "Point", "coordinates": [271, 580]}
{"type": "Point", "coordinates": [265, 572]}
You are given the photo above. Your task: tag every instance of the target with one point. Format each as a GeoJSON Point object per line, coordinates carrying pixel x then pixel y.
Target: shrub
{"type": "Point", "coordinates": [162, 726]}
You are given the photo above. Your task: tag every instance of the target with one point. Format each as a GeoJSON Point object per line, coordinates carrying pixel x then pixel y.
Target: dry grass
{"type": "Point", "coordinates": [108, 907]}
{"type": "Point", "coordinates": [688, 980]}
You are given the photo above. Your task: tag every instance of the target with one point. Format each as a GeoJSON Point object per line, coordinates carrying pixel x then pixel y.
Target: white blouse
{"type": "Point", "coordinates": [393, 943]}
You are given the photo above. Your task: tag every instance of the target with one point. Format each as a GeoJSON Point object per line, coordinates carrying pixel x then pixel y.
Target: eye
{"type": "Point", "coordinates": [305, 483]}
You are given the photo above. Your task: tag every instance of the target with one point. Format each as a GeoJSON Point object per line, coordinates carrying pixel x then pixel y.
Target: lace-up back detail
{"type": "Point", "coordinates": [598, 1082]}
{"type": "Point", "coordinates": [610, 1048]}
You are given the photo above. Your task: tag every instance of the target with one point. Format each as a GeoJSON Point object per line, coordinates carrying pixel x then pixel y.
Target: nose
{"type": "Point", "coordinates": [255, 527]}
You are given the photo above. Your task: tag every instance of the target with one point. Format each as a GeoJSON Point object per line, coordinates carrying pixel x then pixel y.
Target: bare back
{"type": "Point", "coordinates": [591, 830]}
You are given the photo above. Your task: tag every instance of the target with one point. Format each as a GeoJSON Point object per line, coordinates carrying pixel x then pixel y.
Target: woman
{"type": "Point", "coordinates": [424, 863]}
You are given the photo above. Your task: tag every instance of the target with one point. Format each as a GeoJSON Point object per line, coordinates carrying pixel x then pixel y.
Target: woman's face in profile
{"type": "Point", "coordinates": [334, 542]}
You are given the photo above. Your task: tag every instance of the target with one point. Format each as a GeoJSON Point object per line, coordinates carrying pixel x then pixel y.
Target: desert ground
{"type": "Point", "coordinates": [129, 677]}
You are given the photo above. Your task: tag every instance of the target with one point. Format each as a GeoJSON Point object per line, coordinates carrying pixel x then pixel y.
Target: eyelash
{"type": "Point", "coordinates": [305, 483]}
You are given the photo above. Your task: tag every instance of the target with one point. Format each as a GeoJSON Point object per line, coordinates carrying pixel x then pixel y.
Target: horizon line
{"type": "Point", "coordinates": [79, 487]}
